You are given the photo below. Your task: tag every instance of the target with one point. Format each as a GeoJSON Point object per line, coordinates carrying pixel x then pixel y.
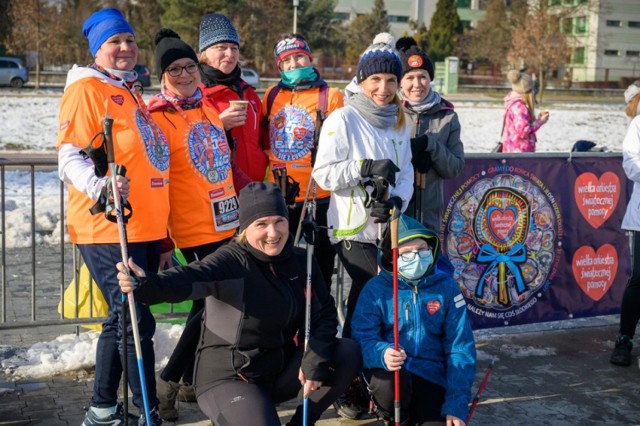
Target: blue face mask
{"type": "Point", "coordinates": [297, 75]}
{"type": "Point", "coordinates": [413, 265]}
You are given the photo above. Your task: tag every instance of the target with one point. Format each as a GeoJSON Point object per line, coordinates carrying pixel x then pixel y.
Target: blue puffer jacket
{"type": "Point", "coordinates": [433, 325]}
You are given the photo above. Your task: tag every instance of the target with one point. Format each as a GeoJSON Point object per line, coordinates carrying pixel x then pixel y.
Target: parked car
{"type": "Point", "coordinates": [144, 77]}
{"type": "Point", "coordinates": [251, 77]}
{"type": "Point", "coordinates": [13, 72]}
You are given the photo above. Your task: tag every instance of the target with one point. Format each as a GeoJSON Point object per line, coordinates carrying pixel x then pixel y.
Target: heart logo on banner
{"type": "Point", "coordinates": [502, 222]}
{"type": "Point", "coordinates": [597, 198]}
{"type": "Point", "coordinates": [595, 271]}
{"type": "Point", "coordinates": [299, 133]}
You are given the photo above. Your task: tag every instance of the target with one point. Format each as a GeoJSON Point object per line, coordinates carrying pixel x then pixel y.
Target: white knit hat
{"type": "Point", "coordinates": [632, 91]}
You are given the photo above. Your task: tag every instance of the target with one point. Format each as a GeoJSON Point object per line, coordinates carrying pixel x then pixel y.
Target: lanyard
{"type": "Point", "coordinates": [212, 173]}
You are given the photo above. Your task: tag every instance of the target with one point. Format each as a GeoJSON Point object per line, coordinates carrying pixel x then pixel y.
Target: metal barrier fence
{"type": "Point", "coordinates": [34, 278]}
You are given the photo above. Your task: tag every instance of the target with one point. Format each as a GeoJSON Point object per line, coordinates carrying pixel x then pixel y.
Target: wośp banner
{"type": "Point", "coordinates": [538, 238]}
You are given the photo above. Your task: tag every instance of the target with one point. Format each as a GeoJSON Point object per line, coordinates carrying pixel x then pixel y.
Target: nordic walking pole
{"type": "Point", "coordinates": [296, 240]}
{"type": "Point", "coordinates": [396, 337]}
{"type": "Point", "coordinates": [307, 321]}
{"type": "Point", "coordinates": [479, 392]}
{"type": "Point", "coordinates": [125, 364]}
{"type": "Point", "coordinates": [122, 233]}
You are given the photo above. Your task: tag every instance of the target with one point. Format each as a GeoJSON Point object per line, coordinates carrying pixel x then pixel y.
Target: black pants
{"type": "Point", "coordinates": [323, 251]}
{"type": "Point", "coordinates": [630, 308]}
{"type": "Point", "coordinates": [361, 263]}
{"type": "Point", "coordinates": [181, 362]}
{"type": "Point", "coordinates": [235, 402]}
{"type": "Point", "coordinates": [420, 400]}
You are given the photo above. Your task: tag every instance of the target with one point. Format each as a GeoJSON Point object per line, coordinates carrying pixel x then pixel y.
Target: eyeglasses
{"type": "Point", "coordinates": [176, 71]}
{"type": "Point", "coordinates": [410, 255]}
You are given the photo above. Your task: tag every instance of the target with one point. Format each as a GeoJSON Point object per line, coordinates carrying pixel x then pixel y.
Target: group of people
{"type": "Point", "coordinates": [230, 179]}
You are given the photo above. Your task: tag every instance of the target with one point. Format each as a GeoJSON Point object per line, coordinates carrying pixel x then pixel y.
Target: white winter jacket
{"type": "Point", "coordinates": [631, 165]}
{"type": "Point", "coordinates": [345, 140]}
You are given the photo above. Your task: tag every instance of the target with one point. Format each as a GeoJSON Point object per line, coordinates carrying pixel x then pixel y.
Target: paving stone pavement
{"type": "Point", "coordinates": [547, 374]}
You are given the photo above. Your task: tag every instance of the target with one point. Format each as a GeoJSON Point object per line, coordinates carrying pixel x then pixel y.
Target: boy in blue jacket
{"type": "Point", "coordinates": [437, 356]}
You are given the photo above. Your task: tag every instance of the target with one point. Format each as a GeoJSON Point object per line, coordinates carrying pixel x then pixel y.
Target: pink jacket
{"type": "Point", "coordinates": [519, 133]}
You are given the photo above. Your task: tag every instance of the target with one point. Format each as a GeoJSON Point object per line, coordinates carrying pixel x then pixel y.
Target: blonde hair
{"type": "Point", "coordinates": [241, 237]}
{"type": "Point", "coordinates": [202, 58]}
{"type": "Point", "coordinates": [632, 106]}
{"type": "Point", "coordinates": [529, 100]}
{"type": "Point", "coordinates": [401, 118]}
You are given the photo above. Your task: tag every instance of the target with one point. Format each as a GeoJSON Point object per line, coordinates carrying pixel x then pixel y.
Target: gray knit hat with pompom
{"type": "Point", "coordinates": [380, 57]}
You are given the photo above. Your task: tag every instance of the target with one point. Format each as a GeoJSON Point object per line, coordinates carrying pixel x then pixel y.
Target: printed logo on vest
{"type": "Point", "coordinates": [433, 306]}
{"type": "Point", "coordinates": [157, 182]}
{"type": "Point", "coordinates": [291, 133]}
{"type": "Point", "coordinates": [64, 124]}
{"type": "Point", "coordinates": [119, 99]}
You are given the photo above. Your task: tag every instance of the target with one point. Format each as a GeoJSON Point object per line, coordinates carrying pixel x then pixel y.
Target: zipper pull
{"type": "Point", "coordinates": [406, 310]}
{"type": "Point", "coordinates": [415, 294]}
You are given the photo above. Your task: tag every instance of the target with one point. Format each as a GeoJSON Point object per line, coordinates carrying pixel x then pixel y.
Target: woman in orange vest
{"type": "Point", "coordinates": [294, 110]}
{"type": "Point", "coordinates": [204, 203]}
{"type": "Point", "coordinates": [105, 88]}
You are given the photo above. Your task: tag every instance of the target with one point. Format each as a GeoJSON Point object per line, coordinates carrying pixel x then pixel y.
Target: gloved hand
{"type": "Point", "coordinates": [419, 144]}
{"type": "Point", "coordinates": [382, 210]}
{"type": "Point", "coordinates": [422, 161]}
{"type": "Point", "coordinates": [382, 168]}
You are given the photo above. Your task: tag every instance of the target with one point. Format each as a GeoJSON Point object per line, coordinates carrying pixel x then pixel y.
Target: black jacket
{"type": "Point", "coordinates": [254, 308]}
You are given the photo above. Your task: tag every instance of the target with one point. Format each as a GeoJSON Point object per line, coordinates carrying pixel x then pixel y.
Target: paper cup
{"type": "Point", "coordinates": [239, 105]}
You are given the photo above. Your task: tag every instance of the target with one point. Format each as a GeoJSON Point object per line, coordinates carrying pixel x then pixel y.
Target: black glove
{"type": "Point", "coordinates": [382, 168]}
{"type": "Point", "coordinates": [422, 162]}
{"type": "Point", "coordinates": [419, 144]}
{"type": "Point", "coordinates": [382, 210]}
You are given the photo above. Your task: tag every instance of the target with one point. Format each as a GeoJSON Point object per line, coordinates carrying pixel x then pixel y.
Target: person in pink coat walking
{"type": "Point", "coordinates": [519, 122]}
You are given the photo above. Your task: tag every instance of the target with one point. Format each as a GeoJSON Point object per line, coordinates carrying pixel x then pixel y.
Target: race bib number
{"type": "Point", "coordinates": [226, 213]}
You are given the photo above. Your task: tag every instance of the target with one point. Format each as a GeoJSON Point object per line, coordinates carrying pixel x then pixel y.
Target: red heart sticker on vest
{"type": "Point", "coordinates": [119, 99]}
{"type": "Point", "coordinates": [433, 306]}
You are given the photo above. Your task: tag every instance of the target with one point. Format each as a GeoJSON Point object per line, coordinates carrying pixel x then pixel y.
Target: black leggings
{"type": "Point", "coordinates": [420, 400]}
{"type": "Point", "coordinates": [360, 260]}
{"type": "Point", "coordinates": [630, 308]}
{"type": "Point", "coordinates": [235, 402]}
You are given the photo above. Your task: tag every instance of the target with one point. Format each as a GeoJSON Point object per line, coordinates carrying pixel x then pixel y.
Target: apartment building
{"type": "Point", "coordinates": [604, 34]}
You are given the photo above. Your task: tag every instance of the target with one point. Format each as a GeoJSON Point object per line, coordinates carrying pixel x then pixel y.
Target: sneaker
{"type": "Point", "coordinates": [622, 352]}
{"type": "Point", "coordinates": [167, 393]}
{"type": "Point", "coordinates": [153, 415]}
{"type": "Point", "coordinates": [114, 419]}
{"type": "Point", "coordinates": [187, 393]}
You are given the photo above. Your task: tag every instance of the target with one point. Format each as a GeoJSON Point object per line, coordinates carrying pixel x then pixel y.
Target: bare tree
{"type": "Point", "coordinates": [490, 41]}
{"type": "Point", "coordinates": [539, 42]}
{"type": "Point", "coordinates": [36, 26]}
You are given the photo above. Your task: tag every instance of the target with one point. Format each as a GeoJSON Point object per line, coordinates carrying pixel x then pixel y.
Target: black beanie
{"type": "Point", "coordinates": [170, 48]}
{"type": "Point", "coordinates": [412, 57]}
{"type": "Point", "coordinates": [260, 199]}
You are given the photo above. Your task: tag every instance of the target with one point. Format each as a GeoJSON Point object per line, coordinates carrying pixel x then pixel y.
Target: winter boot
{"type": "Point", "coordinates": [622, 352]}
{"type": "Point", "coordinates": [167, 393]}
{"type": "Point", "coordinates": [154, 416]}
{"type": "Point", "coordinates": [187, 393]}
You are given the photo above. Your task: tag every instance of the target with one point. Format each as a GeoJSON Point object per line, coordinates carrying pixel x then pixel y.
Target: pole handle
{"type": "Point", "coordinates": [107, 126]}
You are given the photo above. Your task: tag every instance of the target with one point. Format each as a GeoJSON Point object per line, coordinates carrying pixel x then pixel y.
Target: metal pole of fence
{"type": "Point", "coordinates": [33, 243]}
{"type": "Point", "coordinates": [62, 260]}
{"type": "Point", "coordinates": [4, 245]}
